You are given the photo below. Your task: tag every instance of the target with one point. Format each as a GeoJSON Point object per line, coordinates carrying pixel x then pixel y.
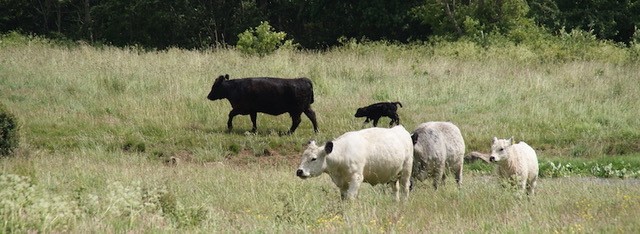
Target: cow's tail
{"type": "Point", "coordinates": [311, 93]}
{"type": "Point", "coordinates": [398, 103]}
{"type": "Point", "coordinates": [311, 89]}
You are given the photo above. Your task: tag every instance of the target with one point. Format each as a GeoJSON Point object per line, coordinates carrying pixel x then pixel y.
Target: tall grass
{"type": "Point", "coordinates": [83, 97]}
{"type": "Point", "coordinates": [98, 123]}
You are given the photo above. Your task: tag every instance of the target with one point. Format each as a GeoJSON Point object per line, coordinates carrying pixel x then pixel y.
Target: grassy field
{"type": "Point", "coordinates": [115, 192]}
{"type": "Point", "coordinates": [97, 125]}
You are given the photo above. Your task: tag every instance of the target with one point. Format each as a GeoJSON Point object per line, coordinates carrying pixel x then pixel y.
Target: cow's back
{"type": "Point", "coordinates": [441, 140]}
{"type": "Point", "coordinates": [270, 95]}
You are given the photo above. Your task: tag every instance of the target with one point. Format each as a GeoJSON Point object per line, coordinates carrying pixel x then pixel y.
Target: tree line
{"type": "Point", "coordinates": [311, 23]}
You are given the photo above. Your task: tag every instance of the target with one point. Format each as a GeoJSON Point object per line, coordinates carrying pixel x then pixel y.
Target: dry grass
{"type": "Point", "coordinates": [220, 197]}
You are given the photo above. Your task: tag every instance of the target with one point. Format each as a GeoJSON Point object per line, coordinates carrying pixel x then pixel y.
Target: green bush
{"type": "Point", "coordinates": [556, 170]}
{"type": "Point", "coordinates": [14, 39]}
{"type": "Point", "coordinates": [262, 40]}
{"type": "Point", "coordinates": [8, 132]}
{"type": "Point", "coordinates": [611, 167]}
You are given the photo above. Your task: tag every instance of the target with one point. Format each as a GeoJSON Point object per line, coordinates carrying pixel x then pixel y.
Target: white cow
{"type": "Point", "coordinates": [437, 146]}
{"type": "Point", "coordinates": [516, 162]}
{"type": "Point", "coordinates": [372, 155]}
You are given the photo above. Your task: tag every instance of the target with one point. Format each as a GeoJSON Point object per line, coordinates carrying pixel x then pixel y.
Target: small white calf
{"type": "Point", "coordinates": [437, 146]}
{"type": "Point", "coordinates": [516, 162]}
{"type": "Point", "coordinates": [372, 155]}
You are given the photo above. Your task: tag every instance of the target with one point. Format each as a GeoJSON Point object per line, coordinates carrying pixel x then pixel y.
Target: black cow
{"type": "Point", "coordinates": [273, 96]}
{"type": "Point", "coordinates": [377, 110]}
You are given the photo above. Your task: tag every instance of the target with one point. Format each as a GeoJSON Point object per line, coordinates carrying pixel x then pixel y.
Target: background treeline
{"type": "Point", "coordinates": [313, 23]}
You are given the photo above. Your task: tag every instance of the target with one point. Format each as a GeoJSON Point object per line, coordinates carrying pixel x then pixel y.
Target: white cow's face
{"type": "Point", "coordinates": [313, 160]}
{"type": "Point", "coordinates": [499, 149]}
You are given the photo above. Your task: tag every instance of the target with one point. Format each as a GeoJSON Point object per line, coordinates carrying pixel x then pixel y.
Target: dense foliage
{"type": "Point", "coordinates": [313, 24]}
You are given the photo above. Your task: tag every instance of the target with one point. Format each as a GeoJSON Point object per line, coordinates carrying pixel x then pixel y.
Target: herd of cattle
{"type": "Point", "coordinates": [372, 155]}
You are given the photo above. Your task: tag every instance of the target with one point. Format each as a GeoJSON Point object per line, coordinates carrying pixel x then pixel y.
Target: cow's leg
{"type": "Point", "coordinates": [405, 183]}
{"type": "Point", "coordinates": [354, 185]}
{"type": "Point", "coordinates": [375, 122]}
{"type": "Point", "coordinates": [232, 114]}
{"type": "Point", "coordinates": [420, 171]}
{"type": "Point", "coordinates": [312, 116]}
{"type": "Point", "coordinates": [531, 186]}
{"type": "Point", "coordinates": [366, 121]}
{"type": "Point", "coordinates": [344, 193]}
{"type": "Point", "coordinates": [295, 121]}
{"type": "Point", "coordinates": [343, 185]}
{"type": "Point", "coordinates": [439, 175]}
{"type": "Point", "coordinates": [394, 119]}
{"type": "Point", "coordinates": [395, 187]}
{"type": "Point", "coordinates": [523, 184]}
{"type": "Point", "coordinates": [458, 171]}
{"type": "Point", "coordinates": [254, 117]}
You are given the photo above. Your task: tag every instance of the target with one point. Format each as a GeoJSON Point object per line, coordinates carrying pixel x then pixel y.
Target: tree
{"type": "Point", "coordinates": [607, 19]}
{"type": "Point", "coordinates": [450, 18]}
{"type": "Point", "coordinates": [545, 13]}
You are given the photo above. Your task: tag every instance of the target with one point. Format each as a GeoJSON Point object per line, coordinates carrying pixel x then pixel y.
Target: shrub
{"type": "Point", "coordinates": [14, 39]}
{"type": "Point", "coordinates": [553, 170]}
{"type": "Point", "coordinates": [611, 171]}
{"type": "Point", "coordinates": [8, 132]}
{"type": "Point", "coordinates": [262, 40]}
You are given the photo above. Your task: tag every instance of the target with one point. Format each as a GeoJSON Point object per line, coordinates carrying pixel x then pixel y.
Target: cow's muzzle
{"type": "Point", "coordinates": [301, 174]}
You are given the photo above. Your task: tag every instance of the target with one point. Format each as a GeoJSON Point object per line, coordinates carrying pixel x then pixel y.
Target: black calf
{"type": "Point", "coordinates": [376, 111]}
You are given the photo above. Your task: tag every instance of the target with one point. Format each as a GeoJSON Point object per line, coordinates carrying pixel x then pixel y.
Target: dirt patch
{"type": "Point", "coordinates": [269, 158]}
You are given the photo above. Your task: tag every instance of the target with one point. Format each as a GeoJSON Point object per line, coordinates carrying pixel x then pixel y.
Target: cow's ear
{"type": "Point", "coordinates": [219, 79]}
{"type": "Point", "coordinates": [414, 138]}
{"type": "Point", "coordinates": [311, 143]}
{"type": "Point", "coordinates": [495, 139]}
{"type": "Point", "coordinates": [226, 76]}
{"type": "Point", "coordinates": [328, 147]}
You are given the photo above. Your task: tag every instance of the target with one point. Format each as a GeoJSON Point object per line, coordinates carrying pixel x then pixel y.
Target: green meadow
{"type": "Point", "coordinates": [98, 125]}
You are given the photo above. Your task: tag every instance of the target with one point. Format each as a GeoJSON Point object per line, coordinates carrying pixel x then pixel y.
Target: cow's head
{"type": "Point", "coordinates": [314, 160]}
{"type": "Point", "coordinates": [217, 90]}
{"type": "Point", "coordinates": [361, 112]}
{"type": "Point", "coordinates": [499, 149]}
